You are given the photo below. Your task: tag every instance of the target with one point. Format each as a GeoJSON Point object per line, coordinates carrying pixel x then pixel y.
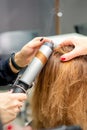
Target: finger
{"type": "Point", "coordinates": [45, 39]}
{"type": "Point", "coordinates": [27, 128]}
{"type": "Point", "coordinates": [68, 56]}
{"type": "Point", "coordinates": [67, 42]}
{"type": "Point", "coordinates": [19, 96]}
{"type": "Point", "coordinates": [37, 42]}
{"type": "Point", "coordinates": [20, 104]}
{"type": "Point", "coordinates": [17, 110]}
{"type": "Point", "coordinates": [10, 91]}
{"type": "Point", "coordinates": [42, 39]}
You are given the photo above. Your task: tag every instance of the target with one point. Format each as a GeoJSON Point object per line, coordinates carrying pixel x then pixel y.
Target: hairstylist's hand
{"type": "Point", "coordinates": [18, 127]}
{"type": "Point", "coordinates": [24, 56]}
{"type": "Point", "coordinates": [80, 44]}
{"type": "Point", "coordinates": [10, 104]}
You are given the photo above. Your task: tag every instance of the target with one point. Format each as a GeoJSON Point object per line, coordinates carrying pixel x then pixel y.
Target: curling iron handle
{"type": "Point", "coordinates": [21, 87]}
{"type": "Point", "coordinates": [18, 90]}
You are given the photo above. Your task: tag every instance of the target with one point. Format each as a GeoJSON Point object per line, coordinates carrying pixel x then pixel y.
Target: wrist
{"type": "Point", "coordinates": [20, 59]}
{"type": "Point", "coordinates": [12, 67]}
{"type": "Point", "coordinates": [14, 62]}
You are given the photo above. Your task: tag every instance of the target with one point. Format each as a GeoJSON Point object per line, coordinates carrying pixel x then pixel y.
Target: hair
{"type": "Point", "coordinates": [60, 94]}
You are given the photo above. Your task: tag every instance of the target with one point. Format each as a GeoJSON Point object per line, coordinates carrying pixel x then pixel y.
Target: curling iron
{"type": "Point", "coordinates": [34, 68]}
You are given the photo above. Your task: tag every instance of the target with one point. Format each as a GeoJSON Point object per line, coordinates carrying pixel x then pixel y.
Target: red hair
{"type": "Point", "coordinates": [60, 95]}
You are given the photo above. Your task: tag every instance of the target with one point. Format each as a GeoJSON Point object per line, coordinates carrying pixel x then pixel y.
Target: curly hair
{"type": "Point", "coordinates": [60, 94]}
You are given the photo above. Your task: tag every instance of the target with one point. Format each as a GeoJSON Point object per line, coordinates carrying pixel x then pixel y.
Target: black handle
{"type": "Point", "coordinates": [20, 87]}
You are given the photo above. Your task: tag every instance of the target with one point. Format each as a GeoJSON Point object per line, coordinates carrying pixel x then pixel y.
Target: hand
{"type": "Point", "coordinates": [25, 55]}
{"type": "Point", "coordinates": [10, 104]}
{"type": "Point", "coordinates": [18, 127]}
{"type": "Point", "coordinates": [80, 44]}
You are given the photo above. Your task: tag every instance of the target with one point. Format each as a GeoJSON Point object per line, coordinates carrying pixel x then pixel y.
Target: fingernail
{"type": "Point", "coordinates": [63, 59]}
{"type": "Point", "coordinates": [41, 39]}
{"type": "Point", "coordinates": [9, 127]}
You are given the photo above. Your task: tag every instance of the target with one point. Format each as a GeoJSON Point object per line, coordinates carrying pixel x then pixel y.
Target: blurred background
{"type": "Point", "coordinates": [40, 15]}
{"type": "Point", "coordinates": [22, 20]}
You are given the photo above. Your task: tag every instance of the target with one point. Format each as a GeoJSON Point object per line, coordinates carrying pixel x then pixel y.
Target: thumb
{"type": "Point", "coordinates": [70, 55]}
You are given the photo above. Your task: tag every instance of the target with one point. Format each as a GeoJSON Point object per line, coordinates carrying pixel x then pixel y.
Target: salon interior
{"type": "Point", "coordinates": [23, 20]}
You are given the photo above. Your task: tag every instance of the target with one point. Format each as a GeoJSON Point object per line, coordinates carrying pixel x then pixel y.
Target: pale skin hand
{"type": "Point", "coordinates": [80, 44]}
{"type": "Point", "coordinates": [18, 127]}
{"type": "Point", "coordinates": [24, 56]}
{"type": "Point", "coordinates": [10, 105]}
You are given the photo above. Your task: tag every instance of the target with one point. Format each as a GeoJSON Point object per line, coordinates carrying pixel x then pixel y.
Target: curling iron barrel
{"type": "Point", "coordinates": [33, 68]}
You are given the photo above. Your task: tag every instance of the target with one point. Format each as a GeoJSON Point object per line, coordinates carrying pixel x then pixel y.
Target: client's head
{"type": "Point", "coordinates": [60, 95]}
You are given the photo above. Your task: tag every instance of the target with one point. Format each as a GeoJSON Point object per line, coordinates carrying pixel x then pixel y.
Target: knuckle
{"type": "Point", "coordinates": [15, 103]}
